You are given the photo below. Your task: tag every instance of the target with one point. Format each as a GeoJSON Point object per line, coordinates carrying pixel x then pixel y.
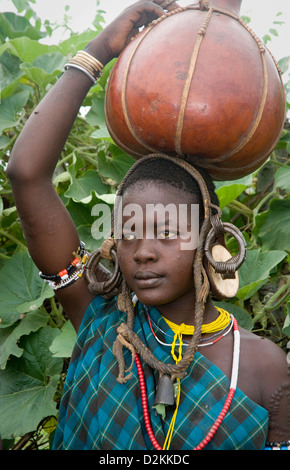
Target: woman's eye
{"type": "Point", "coordinates": [128, 236]}
{"type": "Point", "coordinates": [167, 234]}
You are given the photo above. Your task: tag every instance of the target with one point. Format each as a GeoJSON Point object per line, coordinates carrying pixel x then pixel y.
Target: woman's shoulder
{"type": "Point", "coordinates": [264, 363]}
{"type": "Point", "coordinates": [262, 351]}
{"type": "Point", "coordinates": [272, 371]}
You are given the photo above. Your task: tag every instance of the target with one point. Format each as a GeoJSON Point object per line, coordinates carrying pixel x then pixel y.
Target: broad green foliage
{"type": "Point", "coordinates": [21, 276]}
{"type": "Point", "coordinates": [29, 383]}
{"type": "Point", "coordinates": [36, 341]}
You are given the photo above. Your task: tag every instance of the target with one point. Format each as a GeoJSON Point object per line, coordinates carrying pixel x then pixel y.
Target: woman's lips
{"type": "Point", "coordinates": [147, 279]}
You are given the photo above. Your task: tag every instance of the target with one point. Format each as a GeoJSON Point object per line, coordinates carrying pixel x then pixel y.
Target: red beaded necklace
{"type": "Point", "coordinates": [227, 404]}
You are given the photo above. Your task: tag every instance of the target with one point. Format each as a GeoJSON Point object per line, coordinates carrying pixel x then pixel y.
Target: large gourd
{"type": "Point", "coordinates": [198, 83]}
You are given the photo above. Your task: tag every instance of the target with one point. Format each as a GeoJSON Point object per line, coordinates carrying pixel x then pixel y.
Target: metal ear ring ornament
{"type": "Point", "coordinates": [110, 286]}
{"type": "Point", "coordinates": [228, 267]}
{"type": "Point", "coordinates": [222, 266]}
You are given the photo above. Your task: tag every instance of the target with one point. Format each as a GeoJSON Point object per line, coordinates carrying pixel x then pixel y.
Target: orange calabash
{"type": "Point", "coordinates": [198, 83]}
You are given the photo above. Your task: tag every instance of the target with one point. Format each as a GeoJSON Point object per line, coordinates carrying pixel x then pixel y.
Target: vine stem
{"type": "Point", "coordinates": [85, 155]}
{"type": "Point", "coordinates": [3, 233]}
{"type": "Point", "coordinates": [56, 312]}
{"type": "Point", "coordinates": [262, 202]}
{"type": "Point", "coordinates": [241, 207]}
{"type": "Point", "coordinates": [269, 304]}
{"type": "Point", "coordinates": [64, 159]}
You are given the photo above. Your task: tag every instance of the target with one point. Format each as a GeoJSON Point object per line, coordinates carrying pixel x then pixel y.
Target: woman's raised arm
{"type": "Point", "coordinates": [49, 230]}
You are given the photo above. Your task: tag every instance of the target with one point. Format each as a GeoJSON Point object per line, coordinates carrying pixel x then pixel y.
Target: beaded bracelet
{"type": "Point", "coordinates": [87, 64]}
{"type": "Point", "coordinates": [277, 445]}
{"type": "Point", "coordinates": [71, 274]}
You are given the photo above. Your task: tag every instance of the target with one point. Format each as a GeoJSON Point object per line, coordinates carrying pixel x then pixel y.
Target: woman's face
{"type": "Point", "coordinates": [160, 227]}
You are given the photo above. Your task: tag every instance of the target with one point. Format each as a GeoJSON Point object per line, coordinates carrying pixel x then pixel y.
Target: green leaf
{"type": "Point", "coordinates": [284, 64]}
{"type": "Point", "coordinates": [286, 327]}
{"type": "Point", "coordinates": [228, 191]}
{"type": "Point", "coordinates": [44, 69]}
{"type": "Point", "coordinates": [26, 49]}
{"type": "Point", "coordinates": [21, 4]}
{"type": "Point", "coordinates": [282, 178]}
{"type": "Point", "coordinates": [246, 19]}
{"type": "Point", "coordinates": [28, 385]}
{"type": "Point", "coordinates": [24, 290]}
{"type": "Point", "coordinates": [15, 26]}
{"type": "Point", "coordinates": [77, 166]}
{"type": "Point", "coordinates": [10, 73]}
{"type": "Point", "coordinates": [81, 189]}
{"type": "Point", "coordinates": [9, 337]}
{"type": "Point", "coordinates": [242, 316]}
{"type": "Point", "coordinates": [160, 408]}
{"type": "Point", "coordinates": [274, 228]}
{"type": "Point", "coordinates": [76, 42]}
{"type": "Point", "coordinates": [62, 178]}
{"type": "Point", "coordinates": [63, 344]}
{"type": "Point", "coordinates": [266, 38]}
{"type": "Point", "coordinates": [9, 109]}
{"type": "Point", "coordinates": [50, 62]}
{"type": "Point", "coordinates": [274, 32]}
{"type": "Point", "coordinates": [256, 269]}
{"type": "Point", "coordinates": [96, 115]}
{"type": "Point", "coordinates": [85, 218]}
{"type": "Point", "coordinates": [102, 133]}
{"type": "Point", "coordinates": [116, 165]}
{"type": "Point", "coordinates": [4, 141]}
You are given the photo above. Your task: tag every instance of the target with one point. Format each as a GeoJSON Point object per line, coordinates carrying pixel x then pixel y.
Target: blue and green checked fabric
{"type": "Point", "coordinates": [98, 413]}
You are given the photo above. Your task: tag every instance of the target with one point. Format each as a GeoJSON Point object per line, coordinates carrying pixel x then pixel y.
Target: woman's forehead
{"type": "Point", "coordinates": [146, 192]}
{"type": "Point", "coordinates": [158, 202]}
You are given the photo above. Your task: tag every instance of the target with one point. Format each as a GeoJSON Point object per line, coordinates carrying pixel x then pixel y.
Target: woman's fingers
{"type": "Point", "coordinates": [119, 33]}
{"type": "Point", "coordinates": [168, 5]}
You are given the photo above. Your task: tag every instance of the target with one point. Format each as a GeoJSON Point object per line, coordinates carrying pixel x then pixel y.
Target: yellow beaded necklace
{"type": "Point", "coordinates": [219, 324]}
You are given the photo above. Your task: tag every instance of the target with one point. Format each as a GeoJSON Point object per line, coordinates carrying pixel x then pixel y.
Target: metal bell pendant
{"type": "Point", "coordinates": [165, 391]}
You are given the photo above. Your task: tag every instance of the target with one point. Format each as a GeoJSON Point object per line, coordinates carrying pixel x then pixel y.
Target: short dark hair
{"type": "Point", "coordinates": [163, 171]}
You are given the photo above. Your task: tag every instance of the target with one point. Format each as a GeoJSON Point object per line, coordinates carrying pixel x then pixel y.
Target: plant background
{"type": "Point", "coordinates": [36, 339]}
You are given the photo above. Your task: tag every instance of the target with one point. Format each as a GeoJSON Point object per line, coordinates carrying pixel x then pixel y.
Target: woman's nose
{"type": "Point", "coordinates": [146, 250]}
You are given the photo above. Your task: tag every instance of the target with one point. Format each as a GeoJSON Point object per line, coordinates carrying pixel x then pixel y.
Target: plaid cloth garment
{"type": "Point", "coordinates": [98, 413]}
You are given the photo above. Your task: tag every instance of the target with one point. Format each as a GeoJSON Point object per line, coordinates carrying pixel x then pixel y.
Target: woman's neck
{"type": "Point", "coordinates": [182, 311]}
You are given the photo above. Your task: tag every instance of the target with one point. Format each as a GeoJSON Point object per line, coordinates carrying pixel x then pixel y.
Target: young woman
{"type": "Point", "coordinates": [218, 386]}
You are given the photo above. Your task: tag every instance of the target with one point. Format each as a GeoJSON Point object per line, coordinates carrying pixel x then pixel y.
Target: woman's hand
{"type": "Point", "coordinates": [117, 35]}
